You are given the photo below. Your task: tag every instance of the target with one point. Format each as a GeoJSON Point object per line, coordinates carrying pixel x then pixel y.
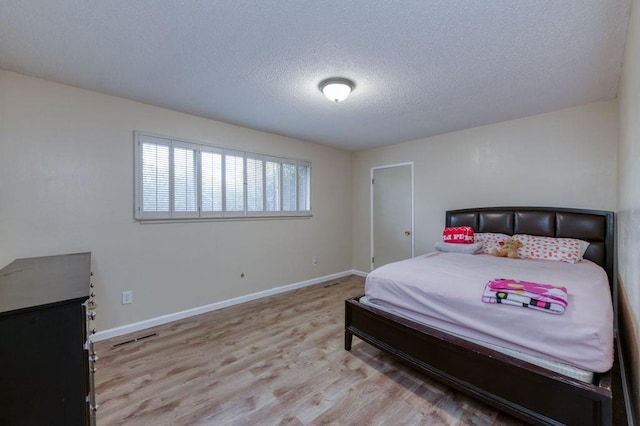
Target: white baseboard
{"type": "Point", "coordinates": [163, 319]}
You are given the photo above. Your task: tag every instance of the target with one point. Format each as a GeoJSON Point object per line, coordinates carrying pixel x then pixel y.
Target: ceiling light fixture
{"type": "Point", "coordinates": [336, 89]}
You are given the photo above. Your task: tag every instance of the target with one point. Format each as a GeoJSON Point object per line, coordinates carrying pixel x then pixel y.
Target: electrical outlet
{"type": "Point", "coordinates": [314, 260]}
{"type": "Point", "coordinates": [127, 297]}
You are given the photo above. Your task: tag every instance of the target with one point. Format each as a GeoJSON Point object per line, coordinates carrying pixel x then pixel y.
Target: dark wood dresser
{"type": "Point", "coordinates": [46, 357]}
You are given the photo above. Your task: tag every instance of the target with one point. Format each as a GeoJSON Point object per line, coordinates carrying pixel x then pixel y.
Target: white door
{"type": "Point", "coordinates": [391, 214]}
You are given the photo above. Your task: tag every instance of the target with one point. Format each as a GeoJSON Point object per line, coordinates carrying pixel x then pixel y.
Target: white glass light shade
{"type": "Point", "coordinates": [336, 89]}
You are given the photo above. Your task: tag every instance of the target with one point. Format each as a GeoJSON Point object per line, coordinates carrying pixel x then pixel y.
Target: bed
{"type": "Point", "coordinates": [519, 387]}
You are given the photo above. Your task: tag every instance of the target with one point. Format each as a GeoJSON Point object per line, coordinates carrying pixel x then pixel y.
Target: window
{"type": "Point", "coordinates": [272, 185]}
{"type": "Point", "coordinates": [255, 184]}
{"type": "Point", "coordinates": [185, 180]}
{"type": "Point", "coordinates": [211, 171]}
{"type": "Point", "coordinates": [155, 177]}
{"type": "Point", "coordinates": [182, 180]}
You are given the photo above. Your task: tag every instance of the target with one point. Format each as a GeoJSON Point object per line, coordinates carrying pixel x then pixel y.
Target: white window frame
{"type": "Point", "coordinates": [200, 214]}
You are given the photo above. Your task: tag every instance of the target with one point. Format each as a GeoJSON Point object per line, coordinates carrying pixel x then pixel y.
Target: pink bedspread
{"type": "Point", "coordinates": [444, 290]}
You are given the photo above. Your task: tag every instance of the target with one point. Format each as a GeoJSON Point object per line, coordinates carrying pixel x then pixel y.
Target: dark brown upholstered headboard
{"type": "Point", "coordinates": [596, 227]}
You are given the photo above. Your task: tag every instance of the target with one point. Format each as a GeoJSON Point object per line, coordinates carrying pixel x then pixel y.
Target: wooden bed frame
{"type": "Point", "coordinates": [526, 391]}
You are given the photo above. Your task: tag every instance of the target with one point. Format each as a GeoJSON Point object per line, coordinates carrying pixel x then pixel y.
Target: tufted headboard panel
{"type": "Point", "coordinates": [595, 226]}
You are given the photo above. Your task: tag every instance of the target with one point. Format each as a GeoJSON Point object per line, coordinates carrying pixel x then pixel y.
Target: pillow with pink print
{"type": "Point", "coordinates": [568, 250]}
{"type": "Point", "coordinates": [489, 240]}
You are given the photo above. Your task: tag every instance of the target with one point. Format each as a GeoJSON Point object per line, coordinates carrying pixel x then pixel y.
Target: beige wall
{"type": "Point", "coordinates": [629, 191]}
{"type": "Point", "coordinates": [564, 158]}
{"type": "Point", "coordinates": [66, 185]}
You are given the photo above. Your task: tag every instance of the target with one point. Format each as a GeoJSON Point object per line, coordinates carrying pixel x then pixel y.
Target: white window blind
{"type": "Point", "coordinates": [234, 181]}
{"type": "Point", "coordinates": [289, 181]}
{"type": "Point", "coordinates": [255, 184]}
{"type": "Point", "coordinates": [304, 187]}
{"type": "Point", "coordinates": [183, 180]}
{"type": "Point", "coordinates": [211, 172]}
{"type": "Point", "coordinates": [272, 185]}
{"type": "Point", "coordinates": [155, 176]}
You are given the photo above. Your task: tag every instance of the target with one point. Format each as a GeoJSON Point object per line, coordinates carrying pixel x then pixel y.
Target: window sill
{"type": "Point", "coordinates": [221, 219]}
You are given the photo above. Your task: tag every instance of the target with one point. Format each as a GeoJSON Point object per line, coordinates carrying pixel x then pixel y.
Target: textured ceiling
{"type": "Point", "coordinates": [421, 67]}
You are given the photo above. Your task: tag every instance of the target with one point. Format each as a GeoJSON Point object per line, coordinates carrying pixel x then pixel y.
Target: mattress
{"type": "Point", "coordinates": [558, 367]}
{"type": "Point", "coordinates": [444, 290]}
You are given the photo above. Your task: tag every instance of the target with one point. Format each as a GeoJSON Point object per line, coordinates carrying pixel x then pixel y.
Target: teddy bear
{"type": "Point", "coordinates": [508, 248]}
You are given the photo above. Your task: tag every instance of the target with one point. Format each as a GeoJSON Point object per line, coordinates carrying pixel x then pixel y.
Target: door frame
{"type": "Point", "coordinates": [387, 166]}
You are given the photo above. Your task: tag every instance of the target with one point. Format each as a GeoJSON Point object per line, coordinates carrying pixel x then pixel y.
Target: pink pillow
{"type": "Point", "coordinates": [490, 240]}
{"type": "Point", "coordinates": [458, 235]}
{"type": "Point", "coordinates": [568, 250]}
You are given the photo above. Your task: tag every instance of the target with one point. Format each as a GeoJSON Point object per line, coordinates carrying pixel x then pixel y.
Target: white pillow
{"type": "Point", "coordinates": [472, 248]}
{"type": "Point", "coordinates": [584, 245]}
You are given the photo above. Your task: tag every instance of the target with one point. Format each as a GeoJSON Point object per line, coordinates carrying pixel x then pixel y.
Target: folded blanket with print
{"type": "Point", "coordinates": [542, 297]}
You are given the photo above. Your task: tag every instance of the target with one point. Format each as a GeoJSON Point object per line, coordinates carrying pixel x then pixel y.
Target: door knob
{"type": "Point", "coordinates": [407, 233]}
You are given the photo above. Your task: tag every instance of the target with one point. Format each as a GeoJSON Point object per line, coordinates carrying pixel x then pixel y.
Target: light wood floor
{"type": "Point", "coordinates": [278, 360]}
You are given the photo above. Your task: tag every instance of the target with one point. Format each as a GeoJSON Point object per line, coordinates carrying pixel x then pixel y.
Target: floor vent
{"type": "Point", "coordinates": [135, 339]}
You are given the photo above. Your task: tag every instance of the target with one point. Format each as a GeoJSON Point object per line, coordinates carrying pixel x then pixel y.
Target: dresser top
{"type": "Point", "coordinates": [36, 281]}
